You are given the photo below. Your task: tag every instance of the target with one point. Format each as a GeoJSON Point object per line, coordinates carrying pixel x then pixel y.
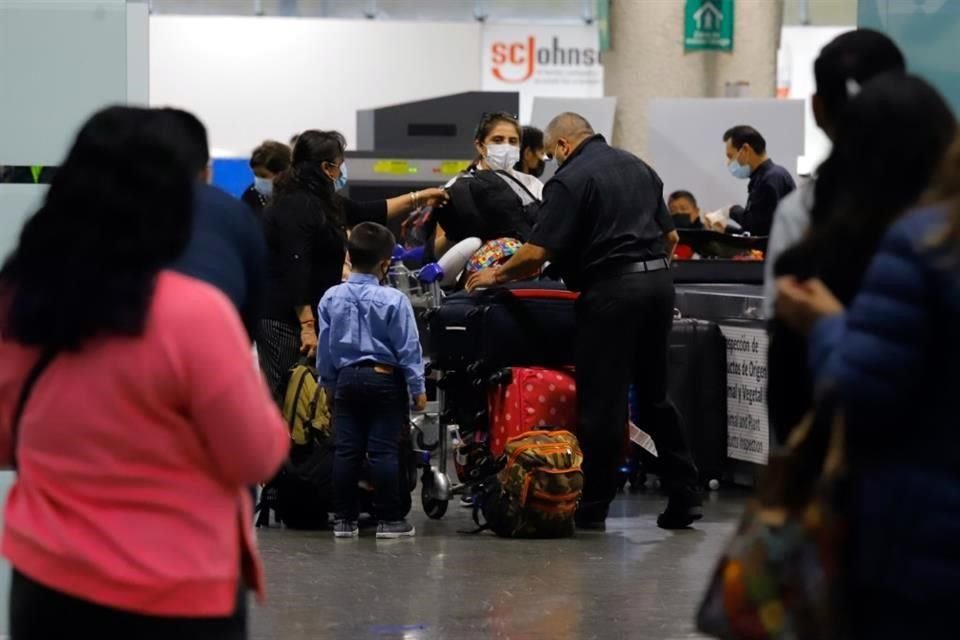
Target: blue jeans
{"type": "Point", "coordinates": [370, 411]}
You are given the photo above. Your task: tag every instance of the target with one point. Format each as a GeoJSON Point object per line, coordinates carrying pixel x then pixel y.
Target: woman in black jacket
{"type": "Point", "coordinates": [306, 229]}
{"type": "Point", "coordinates": [889, 140]}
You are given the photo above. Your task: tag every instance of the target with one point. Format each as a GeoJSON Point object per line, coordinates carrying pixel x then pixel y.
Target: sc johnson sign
{"type": "Point", "coordinates": [516, 62]}
{"type": "Point", "coordinates": [553, 61]}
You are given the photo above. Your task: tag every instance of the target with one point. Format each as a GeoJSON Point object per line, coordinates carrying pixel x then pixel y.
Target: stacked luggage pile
{"type": "Point", "coordinates": [505, 358]}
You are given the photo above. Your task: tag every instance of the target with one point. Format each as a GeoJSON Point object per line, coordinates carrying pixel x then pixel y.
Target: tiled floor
{"type": "Point", "coordinates": [635, 581]}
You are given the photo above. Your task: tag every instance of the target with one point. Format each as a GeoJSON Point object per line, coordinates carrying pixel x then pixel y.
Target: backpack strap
{"type": "Point", "coordinates": [526, 197]}
{"type": "Point", "coordinates": [41, 365]}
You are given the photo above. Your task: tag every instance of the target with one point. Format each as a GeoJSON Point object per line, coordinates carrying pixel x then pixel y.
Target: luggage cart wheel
{"type": "Point", "coordinates": [433, 507]}
{"type": "Point", "coordinates": [434, 493]}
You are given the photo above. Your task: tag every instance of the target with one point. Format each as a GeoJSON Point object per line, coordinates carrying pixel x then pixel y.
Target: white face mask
{"type": "Point", "coordinates": [264, 186]}
{"type": "Point", "coordinates": [502, 157]}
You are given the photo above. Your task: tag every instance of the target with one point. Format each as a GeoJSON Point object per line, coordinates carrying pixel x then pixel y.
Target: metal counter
{"type": "Point", "coordinates": [720, 301]}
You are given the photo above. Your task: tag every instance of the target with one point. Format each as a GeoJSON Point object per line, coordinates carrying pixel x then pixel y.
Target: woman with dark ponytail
{"type": "Point", "coordinates": [306, 231]}
{"type": "Point", "coordinates": [890, 356]}
{"type": "Point", "coordinates": [889, 140]}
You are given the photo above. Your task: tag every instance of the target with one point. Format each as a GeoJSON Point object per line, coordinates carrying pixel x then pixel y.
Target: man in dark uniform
{"type": "Point", "coordinates": [603, 223]}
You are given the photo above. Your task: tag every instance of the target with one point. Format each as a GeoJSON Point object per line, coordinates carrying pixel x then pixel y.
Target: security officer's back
{"type": "Point", "coordinates": [603, 223]}
{"type": "Point", "coordinates": [620, 217]}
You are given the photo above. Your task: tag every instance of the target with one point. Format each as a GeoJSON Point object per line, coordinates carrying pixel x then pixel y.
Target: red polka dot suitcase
{"type": "Point", "coordinates": [525, 399]}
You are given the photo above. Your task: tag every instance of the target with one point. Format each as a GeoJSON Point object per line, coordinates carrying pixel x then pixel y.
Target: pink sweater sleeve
{"type": "Point", "coordinates": [227, 398]}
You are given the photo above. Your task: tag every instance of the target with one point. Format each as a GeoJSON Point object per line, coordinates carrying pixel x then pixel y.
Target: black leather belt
{"type": "Point", "coordinates": [645, 266]}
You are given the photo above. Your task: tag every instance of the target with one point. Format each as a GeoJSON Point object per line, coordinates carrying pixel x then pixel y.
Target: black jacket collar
{"type": "Point", "coordinates": [762, 169]}
{"type": "Point", "coordinates": [576, 153]}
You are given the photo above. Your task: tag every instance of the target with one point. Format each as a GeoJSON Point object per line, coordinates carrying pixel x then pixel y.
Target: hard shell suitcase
{"type": "Point", "coordinates": [523, 324]}
{"type": "Point", "coordinates": [525, 399]}
{"type": "Point", "coordinates": [697, 385]}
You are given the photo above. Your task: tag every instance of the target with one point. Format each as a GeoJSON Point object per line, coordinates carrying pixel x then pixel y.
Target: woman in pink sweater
{"type": "Point", "coordinates": [137, 440]}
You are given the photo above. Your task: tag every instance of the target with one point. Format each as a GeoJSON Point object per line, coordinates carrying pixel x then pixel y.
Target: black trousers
{"type": "Point", "coordinates": [278, 349]}
{"type": "Point", "coordinates": [40, 613]}
{"type": "Point", "coordinates": [623, 328]}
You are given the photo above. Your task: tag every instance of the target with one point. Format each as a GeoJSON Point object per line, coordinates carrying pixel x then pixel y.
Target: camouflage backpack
{"type": "Point", "coordinates": [536, 493]}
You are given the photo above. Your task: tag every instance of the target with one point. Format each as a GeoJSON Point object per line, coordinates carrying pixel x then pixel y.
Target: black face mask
{"type": "Point", "coordinates": [682, 221]}
{"type": "Point", "coordinates": [537, 171]}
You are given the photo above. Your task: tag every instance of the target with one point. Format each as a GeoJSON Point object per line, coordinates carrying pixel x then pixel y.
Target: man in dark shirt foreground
{"type": "Point", "coordinates": [227, 248]}
{"type": "Point", "coordinates": [603, 223]}
{"type": "Point", "coordinates": [769, 182]}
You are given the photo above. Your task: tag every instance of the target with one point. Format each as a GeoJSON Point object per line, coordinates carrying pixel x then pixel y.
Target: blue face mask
{"type": "Point", "coordinates": [263, 185]}
{"type": "Point", "coordinates": [737, 170]}
{"type": "Point", "coordinates": [341, 182]}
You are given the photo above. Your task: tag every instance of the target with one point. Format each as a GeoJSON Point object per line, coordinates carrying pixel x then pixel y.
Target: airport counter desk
{"type": "Point", "coordinates": [730, 294]}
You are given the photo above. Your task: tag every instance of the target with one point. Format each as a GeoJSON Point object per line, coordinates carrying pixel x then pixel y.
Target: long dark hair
{"type": "Point", "coordinates": [118, 210]}
{"type": "Point", "coordinates": [855, 55]}
{"type": "Point", "coordinates": [890, 139]}
{"type": "Point", "coordinates": [310, 152]}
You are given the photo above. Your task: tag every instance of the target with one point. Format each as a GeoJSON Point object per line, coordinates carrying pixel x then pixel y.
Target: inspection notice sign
{"type": "Point", "coordinates": [748, 427]}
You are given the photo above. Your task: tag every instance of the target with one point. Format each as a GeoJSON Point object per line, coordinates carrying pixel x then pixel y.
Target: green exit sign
{"type": "Point", "coordinates": [708, 25]}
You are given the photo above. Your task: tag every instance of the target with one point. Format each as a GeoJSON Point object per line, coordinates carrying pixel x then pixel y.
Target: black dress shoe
{"type": "Point", "coordinates": [583, 524]}
{"type": "Point", "coordinates": [681, 512]}
{"type": "Point", "coordinates": [591, 517]}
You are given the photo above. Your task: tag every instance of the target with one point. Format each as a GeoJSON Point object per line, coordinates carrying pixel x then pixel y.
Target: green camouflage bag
{"type": "Point", "coordinates": [536, 493]}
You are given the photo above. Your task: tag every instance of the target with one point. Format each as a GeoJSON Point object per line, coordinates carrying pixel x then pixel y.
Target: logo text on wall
{"type": "Point", "coordinates": [517, 62]}
{"type": "Point", "coordinates": [542, 61]}
{"type": "Point", "coordinates": [708, 25]}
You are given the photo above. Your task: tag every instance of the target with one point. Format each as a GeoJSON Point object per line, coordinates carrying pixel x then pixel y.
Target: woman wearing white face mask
{"type": "Point", "coordinates": [268, 161]}
{"type": "Point", "coordinates": [491, 201]}
{"type": "Point", "coordinates": [498, 149]}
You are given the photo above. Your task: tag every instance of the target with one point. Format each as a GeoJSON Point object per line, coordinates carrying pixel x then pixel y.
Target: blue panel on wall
{"type": "Point", "coordinates": [233, 175]}
{"type": "Point", "coordinates": [927, 31]}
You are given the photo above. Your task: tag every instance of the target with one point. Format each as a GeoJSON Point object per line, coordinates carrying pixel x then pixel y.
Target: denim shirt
{"type": "Point", "coordinates": [362, 321]}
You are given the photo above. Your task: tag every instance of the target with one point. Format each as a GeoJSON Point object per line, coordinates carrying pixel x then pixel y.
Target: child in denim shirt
{"type": "Point", "coordinates": [370, 361]}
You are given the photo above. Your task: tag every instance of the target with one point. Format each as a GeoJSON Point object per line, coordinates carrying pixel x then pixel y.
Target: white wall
{"type": "Point", "coordinates": [252, 78]}
{"type": "Point", "coordinates": [60, 62]}
{"type": "Point", "coordinates": [799, 48]}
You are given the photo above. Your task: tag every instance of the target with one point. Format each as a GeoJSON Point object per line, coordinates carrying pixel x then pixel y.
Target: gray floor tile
{"type": "Point", "coordinates": [635, 581]}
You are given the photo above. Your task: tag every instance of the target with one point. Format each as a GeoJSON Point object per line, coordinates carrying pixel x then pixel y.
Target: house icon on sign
{"type": "Point", "coordinates": [708, 17]}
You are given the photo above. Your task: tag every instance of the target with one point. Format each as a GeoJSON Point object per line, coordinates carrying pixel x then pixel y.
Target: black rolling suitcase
{"type": "Point", "coordinates": [527, 323]}
{"type": "Point", "coordinates": [697, 385]}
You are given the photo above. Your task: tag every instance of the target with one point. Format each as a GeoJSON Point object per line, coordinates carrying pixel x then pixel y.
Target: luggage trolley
{"type": "Point", "coordinates": [422, 287]}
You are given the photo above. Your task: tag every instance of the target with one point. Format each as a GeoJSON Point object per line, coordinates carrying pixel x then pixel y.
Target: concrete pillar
{"type": "Point", "coordinates": [647, 59]}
